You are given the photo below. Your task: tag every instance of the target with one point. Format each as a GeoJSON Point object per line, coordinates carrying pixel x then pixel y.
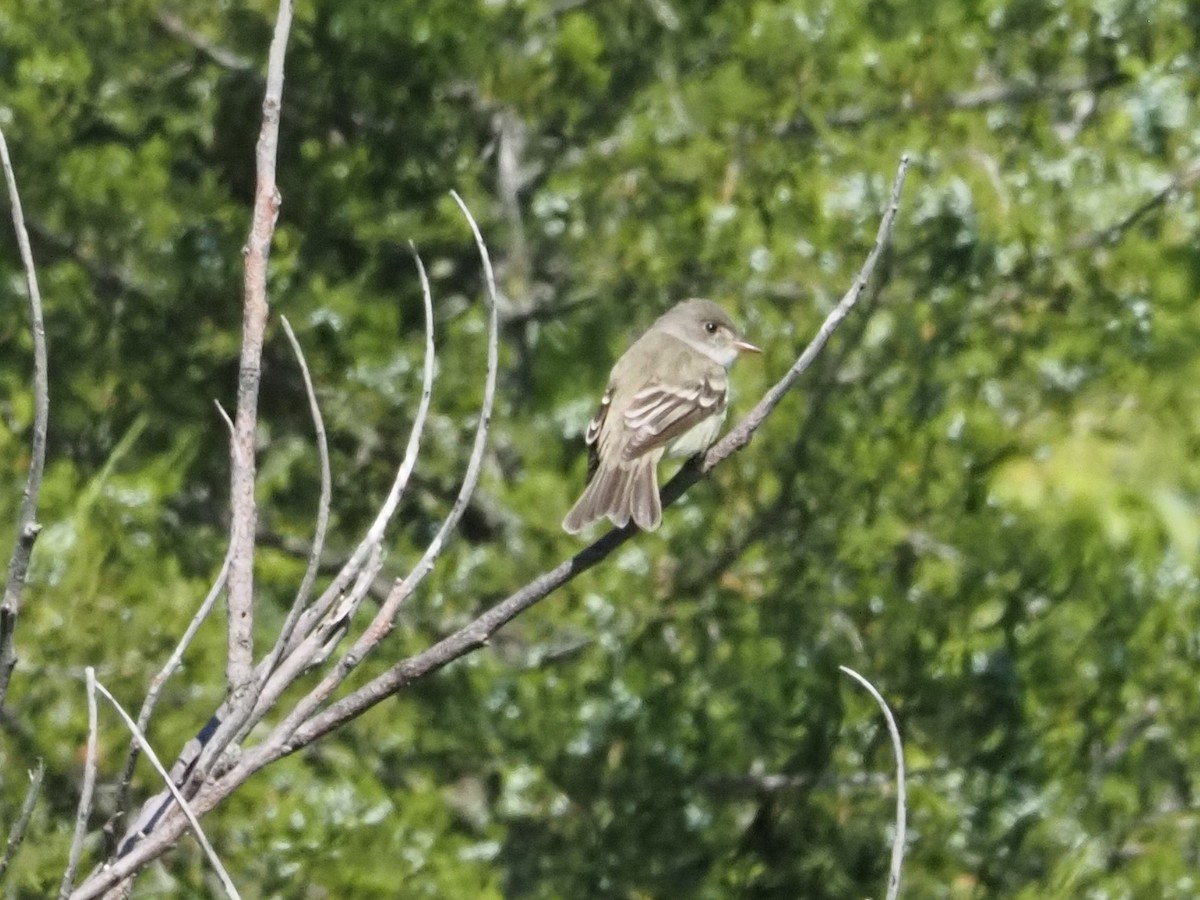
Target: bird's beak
{"type": "Point", "coordinates": [746, 347]}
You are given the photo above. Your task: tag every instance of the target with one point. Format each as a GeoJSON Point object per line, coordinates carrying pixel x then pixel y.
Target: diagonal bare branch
{"type": "Point", "coordinates": [740, 436]}
{"type": "Point", "coordinates": [898, 838]}
{"type": "Point", "coordinates": [156, 683]}
{"type": "Point", "coordinates": [301, 651]}
{"type": "Point", "coordinates": [189, 815]}
{"type": "Point", "coordinates": [27, 525]}
{"type": "Point", "coordinates": [1181, 182]}
{"type": "Point", "coordinates": [17, 834]}
{"type": "Point", "coordinates": [85, 795]}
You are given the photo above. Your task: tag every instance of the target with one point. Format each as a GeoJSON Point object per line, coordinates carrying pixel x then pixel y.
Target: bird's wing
{"type": "Point", "coordinates": [591, 437]}
{"type": "Point", "coordinates": [659, 413]}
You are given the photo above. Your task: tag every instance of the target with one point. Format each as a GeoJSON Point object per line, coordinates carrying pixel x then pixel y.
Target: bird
{"type": "Point", "coordinates": [667, 395]}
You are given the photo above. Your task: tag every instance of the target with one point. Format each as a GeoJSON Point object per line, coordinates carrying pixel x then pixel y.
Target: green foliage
{"type": "Point", "coordinates": [983, 497]}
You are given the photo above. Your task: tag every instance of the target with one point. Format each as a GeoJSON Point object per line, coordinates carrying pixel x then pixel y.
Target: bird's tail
{"type": "Point", "coordinates": [622, 492]}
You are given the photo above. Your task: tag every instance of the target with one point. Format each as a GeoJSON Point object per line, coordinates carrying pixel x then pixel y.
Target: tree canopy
{"type": "Point", "coordinates": [983, 497]}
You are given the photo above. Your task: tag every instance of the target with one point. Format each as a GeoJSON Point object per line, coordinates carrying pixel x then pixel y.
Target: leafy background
{"type": "Point", "coordinates": [984, 497]}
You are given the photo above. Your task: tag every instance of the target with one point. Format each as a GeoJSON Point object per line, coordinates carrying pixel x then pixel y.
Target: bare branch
{"type": "Point", "coordinates": [1182, 181]}
{"type": "Point", "coordinates": [168, 669]}
{"type": "Point", "coordinates": [407, 585]}
{"type": "Point", "coordinates": [740, 436]}
{"type": "Point", "coordinates": [200, 752]}
{"type": "Point", "coordinates": [138, 736]}
{"type": "Point", "coordinates": [375, 533]}
{"type": "Point", "coordinates": [228, 422]}
{"type": "Point", "coordinates": [153, 809]}
{"type": "Point", "coordinates": [335, 626]}
{"type": "Point", "coordinates": [981, 97]}
{"type": "Point", "coordinates": [475, 634]}
{"type": "Point", "coordinates": [318, 544]}
{"type": "Point", "coordinates": [17, 835]}
{"type": "Point", "coordinates": [301, 652]}
{"type": "Point", "coordinates": [222, 56]}
{"type": "Point", "coordinates": [239, 669]}
{"type": "Point", "coordinates": [240, 672]}
{"type": "Point", "coordinates": [385, 618]}
{"type": "Point", "coordinates": [901, 792]}
{"type": "Point", "coordinates": [85, 795]}
{"type": "Point", "coordinates": [121, 892]}
{"type": "Point", "coordinates": [319, 643]}
{"type": "Point", "coordinates": [27, 525]}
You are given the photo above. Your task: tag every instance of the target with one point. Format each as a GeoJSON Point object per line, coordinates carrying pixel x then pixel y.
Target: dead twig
{"type": "Point", "coordinates": [189, 815]}
{"type": "Point", "coordinates": [318, 543]}
{"type": "Point", "coordinates": [311, 634]}
{"type": "Point", "coordinates": [239, 668]}
{"type": "Point", "coordinates": [27, 525]}
{"type": "Point", "coordinates": [17, 834]}
{"type": "Point", "coordinates": [156, 683]}
{"type": "Point", "coordinates": [85, 795]}
{"type": "Point", "coordinates": [898, 838]}
{"type": "Point", "coordinates": [385, 618]}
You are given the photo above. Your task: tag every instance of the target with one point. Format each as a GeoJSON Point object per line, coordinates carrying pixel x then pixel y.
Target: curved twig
{"type": "Point", "coordinates": [156, 683]}
{"type": "Point", "coordinates": [385, 618]}
{"type": "Point", "coordinates": [318, 543]}
{"type": "Point", "coordinates": [375, 533]}
{"type": "Point", "coordinates": [27, 525]}
{"type": "Point", "coordinates": [228, 423]}
{"type": "Point", "coordinates": [85, 795]}
{"type": "Point", "coordinates": [308, 638]}
{"type": "Point", "coordinates": [898, 838]}
{"type": "Point", "coordinates": [138, 736]}
{"type": "Point", "coordinates": [305, 643]}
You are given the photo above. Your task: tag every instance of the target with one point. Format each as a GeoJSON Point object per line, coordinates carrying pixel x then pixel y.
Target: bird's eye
{"type": "Point", "coordinates": [711, 327]}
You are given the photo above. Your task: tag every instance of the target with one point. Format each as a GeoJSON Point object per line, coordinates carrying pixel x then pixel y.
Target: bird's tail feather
{"type": "Point", "coordinates": [620, 493]}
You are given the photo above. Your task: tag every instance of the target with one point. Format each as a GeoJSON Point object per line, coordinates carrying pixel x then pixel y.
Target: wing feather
{"type": "Point", "coordinates": [591, 437]}
{"type": "Point", "coordinates": [660, 413]}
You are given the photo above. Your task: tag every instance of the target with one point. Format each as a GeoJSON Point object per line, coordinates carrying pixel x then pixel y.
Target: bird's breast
{"type": "Point", "coordinates": [699, 439]}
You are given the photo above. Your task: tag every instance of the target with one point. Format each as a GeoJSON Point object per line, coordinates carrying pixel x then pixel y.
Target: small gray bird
{"type": "Point", "coordinates": [666, 395]}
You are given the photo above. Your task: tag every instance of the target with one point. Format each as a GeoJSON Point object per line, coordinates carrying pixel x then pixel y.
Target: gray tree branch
{"type": "Point", "coordinates": [318, 543]}
{"type": "Point", "coordinates": [85, 794]}
{"type": "Point", "coordinates": [240, 662]}
{"type": "Point", "coordinates": [21, 825]}
{"type": "Point", "coordinates": [27, 525]}
{"type": "Point", "coordinates": [189, 817]}
{"type": "Point", "coordinates": [899, 836]}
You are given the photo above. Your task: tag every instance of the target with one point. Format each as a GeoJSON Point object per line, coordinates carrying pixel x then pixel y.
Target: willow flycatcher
{"type": "Point", "coordinates": [666, 395]}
